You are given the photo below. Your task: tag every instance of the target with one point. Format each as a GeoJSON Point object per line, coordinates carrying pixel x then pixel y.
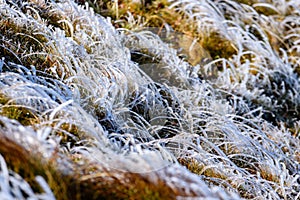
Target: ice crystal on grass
{"type": "Point", "coordinates": [205, 105]}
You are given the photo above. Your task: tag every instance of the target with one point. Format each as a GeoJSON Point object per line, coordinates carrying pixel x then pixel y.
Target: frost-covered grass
{"type": "Point", "coordinates": [149, 99]}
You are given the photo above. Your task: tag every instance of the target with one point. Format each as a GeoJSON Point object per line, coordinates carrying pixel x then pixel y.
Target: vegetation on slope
{"type": "Point", "coordinates": [149, 99]}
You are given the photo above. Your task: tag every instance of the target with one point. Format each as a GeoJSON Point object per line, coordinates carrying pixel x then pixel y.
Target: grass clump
{"type": "Point", "coordinates": [29, 166]}
{"type": "Point", "coordinates": [17, 112]}
{"type": "Point", "coordinates": [103, 107]}
{"type": "Point", "coordinates": [24, 116]}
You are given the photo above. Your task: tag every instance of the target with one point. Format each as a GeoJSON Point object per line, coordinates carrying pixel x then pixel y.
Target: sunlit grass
{"type": "Point", "coordinates": [149, 99]}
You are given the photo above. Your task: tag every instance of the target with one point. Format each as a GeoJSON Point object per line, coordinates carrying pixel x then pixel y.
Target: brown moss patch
{"type": "Point", "coordinates": [28, 166]}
